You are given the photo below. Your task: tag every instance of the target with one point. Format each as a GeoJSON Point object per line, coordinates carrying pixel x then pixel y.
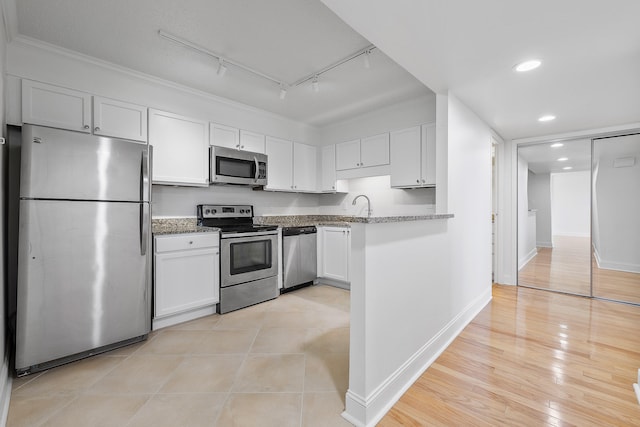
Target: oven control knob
{"type": "Point", "coordinates": [214, 211]}
{"type": "Point", "coordinates": [241, 210]}
{"type": "Point", "coordinates": [207, 211]}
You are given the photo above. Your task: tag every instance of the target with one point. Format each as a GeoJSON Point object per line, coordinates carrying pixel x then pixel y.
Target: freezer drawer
{"type": "Point", "coordinates": [83, 277]}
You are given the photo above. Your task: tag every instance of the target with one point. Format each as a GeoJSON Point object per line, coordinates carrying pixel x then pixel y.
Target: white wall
{"type": "Point", "coordinates": [571, 204]}
{"type": "Point", "coordinates": [617, 204]}
{"type": "Point", "coordinates": [526, 219]}
{"type": "Point", "coordinates": [435, 274]}
{"type": "Point", "coordinates": [402, 115]}
{"type": "Point", "coordinates": [539, 193]}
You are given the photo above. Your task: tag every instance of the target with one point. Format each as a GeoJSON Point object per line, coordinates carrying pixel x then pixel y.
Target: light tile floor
{"type": "Point", "coordinates": [281, 363]}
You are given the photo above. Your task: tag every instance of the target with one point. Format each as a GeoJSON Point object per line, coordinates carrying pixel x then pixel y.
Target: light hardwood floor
{"type": "Point", "coordinates": [532, 358]}
{"type": "Point", "coordinates": [565, 268]}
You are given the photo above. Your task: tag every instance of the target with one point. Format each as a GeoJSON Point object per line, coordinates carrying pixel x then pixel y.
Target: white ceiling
{"type": "Point", "coordinates": [590, 77]}
{"type": "Point", "coordinates": [543, 158]}
{"type": "Point", "coordinates": [286, 39]}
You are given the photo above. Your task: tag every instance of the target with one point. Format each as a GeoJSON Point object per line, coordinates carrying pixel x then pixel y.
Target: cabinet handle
{"type": "Point", "coordinates": [333, 187]}
{"type": "Point", "coordinates": [418, 181]}
{"type": "Point", "coordinates": [423, 181]}
{"type": "Point", "coordinates": [242, 146]}
{"type": "Point", "coordinates": [238, 146]}
{"type": "Point", "coordinates": [97, 128]}
{"type": "Point", "coordinates": [86, 126]}
{"type": "Point", "coordinates": [191, 242]}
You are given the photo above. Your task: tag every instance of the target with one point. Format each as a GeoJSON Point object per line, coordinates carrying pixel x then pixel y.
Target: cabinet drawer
{"type": "Point", "coordinates": [180, 242]}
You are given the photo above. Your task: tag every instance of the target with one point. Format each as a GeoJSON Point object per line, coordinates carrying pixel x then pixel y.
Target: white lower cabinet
{"type": "Point", "coordinates": [334, 248]}
{"type": "Point", "coordinates": [186, 277]}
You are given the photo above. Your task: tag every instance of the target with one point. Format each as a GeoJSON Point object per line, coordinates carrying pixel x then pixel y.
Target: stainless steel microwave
{"type": "Point", "coordinates": [231, 166]}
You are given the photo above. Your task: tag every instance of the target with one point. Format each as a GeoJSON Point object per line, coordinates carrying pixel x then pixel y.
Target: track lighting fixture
{"type": "Point", "coordinates": [284, 86]}
{"type": "Point", "coordinates": [221, 68]}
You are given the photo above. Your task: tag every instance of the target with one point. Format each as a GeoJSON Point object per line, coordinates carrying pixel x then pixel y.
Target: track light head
{"type": "Point", "coordinates": [367, 63]}
{"type": "Point", "coordinates": [221, 68]}
{"type": "Point", "coordinates": [314, 84]}
{"type": "Point", "coordinates": [283, 91]}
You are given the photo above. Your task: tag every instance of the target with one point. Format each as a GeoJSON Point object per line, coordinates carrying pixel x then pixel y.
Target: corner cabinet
{"type": "Point", "coordinates": [180, 149]}
{"type": "Point", "coordinates": [413, 157]}
{"type": "Point", "coordinates": [292, 166]}
{"type": "Point", "coordinates": [334, 249]}
{"type": "Point", "coordinates": [186, 277]}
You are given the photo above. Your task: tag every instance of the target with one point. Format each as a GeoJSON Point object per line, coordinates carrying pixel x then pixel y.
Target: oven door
{"type": "Point", "coordinates": [251, 257]}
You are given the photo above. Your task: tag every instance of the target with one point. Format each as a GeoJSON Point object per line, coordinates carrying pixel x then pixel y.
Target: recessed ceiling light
{"type": "Point", "coordinates": [547, 118]}
{"type": "Point", "coordinates": [563, 159]}
{"type": "Point", "coordinates": [567, 168]}
{"type": "Point", "coordinates": [527, 65]}
{"type": "Point", "coordinates": [557, 145]}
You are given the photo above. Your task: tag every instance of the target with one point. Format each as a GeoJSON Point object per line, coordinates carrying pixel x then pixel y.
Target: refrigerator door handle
{"type": "Point", "coordinates": [144, 227]}
{"type": "Point", "coordinates": [144, 177]}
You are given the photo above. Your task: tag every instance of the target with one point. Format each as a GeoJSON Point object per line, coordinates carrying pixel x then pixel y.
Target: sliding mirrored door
{"type": "Point", "coordinates": [554, 203]}
{"type": "Point", "coordinates": [616, 218]}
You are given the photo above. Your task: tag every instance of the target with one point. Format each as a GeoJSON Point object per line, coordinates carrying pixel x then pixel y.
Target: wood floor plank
{"type": "Point", "coordinates": [532, 358]}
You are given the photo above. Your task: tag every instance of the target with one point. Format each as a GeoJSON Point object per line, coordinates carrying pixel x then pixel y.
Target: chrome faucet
{"type": "Point", "coordinates": [368, 203]}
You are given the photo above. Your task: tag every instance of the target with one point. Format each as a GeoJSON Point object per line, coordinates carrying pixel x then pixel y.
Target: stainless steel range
{"type": "Point", "coordinates": [248, 256]}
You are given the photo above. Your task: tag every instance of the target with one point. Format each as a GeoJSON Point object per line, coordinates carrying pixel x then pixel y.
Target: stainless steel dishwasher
{"type": "Point", "coordinates": [299, 256]}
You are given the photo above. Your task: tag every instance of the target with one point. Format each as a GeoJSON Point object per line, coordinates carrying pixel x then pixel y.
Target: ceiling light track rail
{"type": "Point", "coordinates": [217, 56]}
{"type": "Point", "coordinates": [222, 61]}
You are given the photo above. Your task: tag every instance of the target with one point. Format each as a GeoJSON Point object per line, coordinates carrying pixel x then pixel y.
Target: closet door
{"type": "Point", "coordinates": [615, 213]}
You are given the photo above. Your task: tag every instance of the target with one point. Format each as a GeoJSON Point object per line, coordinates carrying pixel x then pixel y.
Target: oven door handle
{"type": "Point", "coordinates": [248, 234]}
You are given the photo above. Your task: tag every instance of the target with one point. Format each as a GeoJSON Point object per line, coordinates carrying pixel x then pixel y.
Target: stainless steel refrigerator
{"type": "Point", "coordinates": [84, 250]}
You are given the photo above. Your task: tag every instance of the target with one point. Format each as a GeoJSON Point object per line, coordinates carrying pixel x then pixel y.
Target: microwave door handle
{"type": "Point", "coordinates": [255, 159]}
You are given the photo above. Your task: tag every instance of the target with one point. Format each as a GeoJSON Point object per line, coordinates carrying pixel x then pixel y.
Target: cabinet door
{"type": "Point", "coordinates": [119, 119]}
{"type": "Point", "coordinates": [186, 280]}
{"type": "Point", "coordinates": [348, 155]}
{"type": "Point", "coordinates": [224, 136]}
{"type": "Point", "coordinates": [429, 155]}
{"type": "Point", "coordinates": [406, 157]}
{"type": "Point", "coordinates": [280, 164]}
{"type": "Point", "coordinates": [374, 150]}
{"type": "Point", "coordinates": [250, 141]}
{"type": "Point", "coordinates": [180, 149]}
{"type": "Point", "coordinates": [304, 167]}
{"type": "Point", "coordinates": [55, 106]}
{"type": "Point", "coordinates": [335, 248]}
{"type": "Point", "coordinates": [328, 165]}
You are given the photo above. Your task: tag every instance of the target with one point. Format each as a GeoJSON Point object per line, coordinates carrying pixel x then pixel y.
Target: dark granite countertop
{"type": "Point", "coordinates": [161, 226]}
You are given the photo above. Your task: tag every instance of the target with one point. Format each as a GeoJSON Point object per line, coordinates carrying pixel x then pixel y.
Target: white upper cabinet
{"type": "Point", "coordinates": [58, 107]}
{"type": "Point", "coordinates": [413, 157]}
{"type": "Point", "coordinates": [304, 167]}
{"type": "Point", "coordinates": [251, 141]}
{"type": "Point", "coordinates": [180, 149]}
{"type": "Point", "coordinates": [328, 165]}
{"type": "Point", "coordinates": [280, 164]}
{"type": "Point", "coordinates": [224, 136]}
{"type": "Point", "coordinates": [365, 152]}
{"type": "Point", "coordinates": [374, 150]}
{"type": "Point", "coordinates": [55, 106]}
{"type": "Point", "coordinates": [119, 119]}
{"type": "Point", "coordinates": [348, 155]}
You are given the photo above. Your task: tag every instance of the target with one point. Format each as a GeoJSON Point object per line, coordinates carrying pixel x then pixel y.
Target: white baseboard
{"type": "Point", "coordinates": [544, 244]}
{"type": "Point", "coordinates": [334, 283]}
{"type": "Point", "coordinates": [174, 319]}
{"type": "Point", "coordinates": [527, 258]}
{"type": "Point", "coordinates": [366, 412]}
{"type": "Point", "coordinates": [571, 234]}
{"type": "Point", "coordinates": [613, 265]}
{"type": "Point", "coordinates": [637, 390]}
{"type": "Point", "coordinates": [6, 379]}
